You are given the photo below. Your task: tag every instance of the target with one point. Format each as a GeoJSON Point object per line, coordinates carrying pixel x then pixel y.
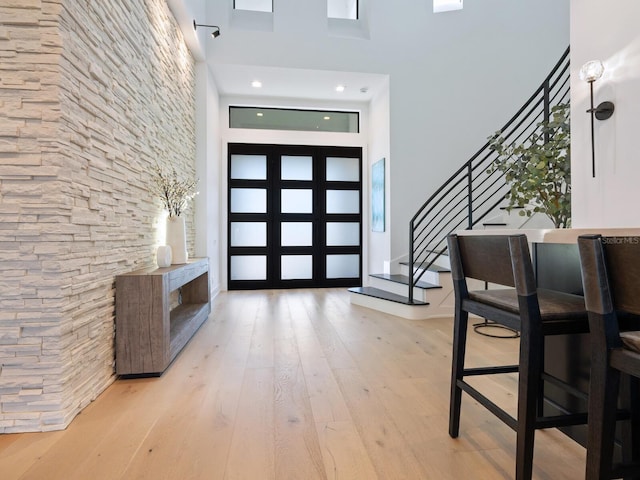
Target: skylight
{"type": "Point", "coordinates": [446, 5]}
{"type": "Point", "coordinates": [254, 5]}
{"type": "Point", "coordinates": [342, 9]}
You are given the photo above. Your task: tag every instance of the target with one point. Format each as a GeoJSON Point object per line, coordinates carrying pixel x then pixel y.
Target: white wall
{"type": "Point", "coordinates": [607, 31]}
{"type": "Point", "coordinates": [379, 243]}
{"type": "Point", "coordinates": [207, 203]}
{"type": "Point", "coordinates": [455, 77]}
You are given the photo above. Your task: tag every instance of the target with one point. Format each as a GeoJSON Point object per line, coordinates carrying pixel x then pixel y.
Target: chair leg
{"type": "Point", "coordinates": [603, 395]}
{"type": "Point", "coordinates": [631, 430]}
{"type": "Point", "coordinates": [625, 428]}
{"type": "Point", "coordinates": [540, 400]}
{"type": "Point", "coordinates": [634, 398]}
{"type": "Point", "coordinates": [531, 350]}
{"type": "Point", "coordinates": [457, 369]}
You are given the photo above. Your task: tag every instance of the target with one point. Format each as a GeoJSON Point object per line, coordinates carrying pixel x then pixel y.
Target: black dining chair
{"type": "Point", "coordinates": [519, 305]}
{"type": "Point", "coordinates": [611, 280]}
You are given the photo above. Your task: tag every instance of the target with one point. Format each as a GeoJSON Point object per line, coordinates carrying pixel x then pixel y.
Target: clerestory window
{"type": "Point", "coordinates": [347, 9]}
{"type": "Point", "coordinates": [446, 5]}
{"type": "Point", "coordinates": [253, 5]}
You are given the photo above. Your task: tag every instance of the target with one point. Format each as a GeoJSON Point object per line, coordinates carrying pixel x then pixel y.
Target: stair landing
{"type": "Point", "coordinates": [391, 303]}
{"type": "Point", "coordinates": [384, 295]}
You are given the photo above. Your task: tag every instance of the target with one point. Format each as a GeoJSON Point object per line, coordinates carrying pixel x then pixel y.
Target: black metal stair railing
{"type": "Point", "coordinates": [471, 193]}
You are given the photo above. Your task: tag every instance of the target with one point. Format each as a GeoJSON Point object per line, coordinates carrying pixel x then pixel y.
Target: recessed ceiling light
{"type": "Point", "coordinates": [327, 118]}
{"type": "Point", "coordinates": [259, 114]}
{"type": "Point", "coordinates": [256, 84]}
{"type": "Point", "coordinates": [340, 88]}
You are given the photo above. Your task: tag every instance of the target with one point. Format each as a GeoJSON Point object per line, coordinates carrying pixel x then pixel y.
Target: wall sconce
{"type": "Point", "coordinates": [214, 34]}
{"type": "Point", "coordinates": [590, 72]}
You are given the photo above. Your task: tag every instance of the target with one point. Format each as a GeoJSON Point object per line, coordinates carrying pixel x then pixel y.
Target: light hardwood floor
{"type": "Point", "coordinates": [296, 385]}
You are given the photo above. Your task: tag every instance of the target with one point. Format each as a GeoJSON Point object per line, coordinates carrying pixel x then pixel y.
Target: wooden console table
{"type": "Point", "coordinates": [149, 334]}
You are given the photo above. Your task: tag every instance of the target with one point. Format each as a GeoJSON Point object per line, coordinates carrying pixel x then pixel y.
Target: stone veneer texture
{"type": "Point", "coordinates": [92, 94]}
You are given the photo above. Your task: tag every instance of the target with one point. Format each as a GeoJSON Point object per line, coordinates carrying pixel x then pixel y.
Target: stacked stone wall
{"type": "Point", "coordinates": [92, 95]}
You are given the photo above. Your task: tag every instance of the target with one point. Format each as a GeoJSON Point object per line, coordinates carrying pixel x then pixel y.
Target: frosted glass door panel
{"type": "Point", "coordinates": [248, 234]}
{"type": "Point", "coordinates": [343, 201]}
{"type": "Point", "coordinates": [297, 267]}
{"type": "Point", "coordinates": [296, 168]}
{"type": "Point", "coordinates": [343, 234]}
{"type": "Point", "coordinates": [248, 200]}
{"type": "Point", "coordinates": [343, 169]}
{"type": "Point", "coordinates": [296, 201]}
{"type": "Point", "coordinates": [297, 234]}
{"type": "Point", "coordinates": [343, 266]}
{"type": "Point", "coordinates": [249, 167]}
{"type": "Point", "coordinates": [248, 267]}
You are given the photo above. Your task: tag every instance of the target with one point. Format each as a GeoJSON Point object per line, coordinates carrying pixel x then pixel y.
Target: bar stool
{"type": "Point", "coordinates": [535, 313]}
{"type": "Point", "coordinates": [611, 279]}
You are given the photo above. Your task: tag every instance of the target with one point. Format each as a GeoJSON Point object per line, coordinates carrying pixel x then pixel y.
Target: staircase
{"type": "Point", "coordinates": [419, 287]}
{"type": "Point", "coordinates": [432, 294]}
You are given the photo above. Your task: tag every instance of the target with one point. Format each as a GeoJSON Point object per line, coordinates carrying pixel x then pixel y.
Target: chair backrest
{"type": "Point", "coordinates": [499, 259]}
{"type": "Point", "coordinates": [610, 273]}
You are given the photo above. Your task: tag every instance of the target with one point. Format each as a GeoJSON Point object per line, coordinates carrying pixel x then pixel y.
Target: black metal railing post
{"type": "Point", "coordinates": [546, 108]}
{"type": "Point", "coordinates": [470, 196]}
{"type": "Point", "coordinates": [411, 252]}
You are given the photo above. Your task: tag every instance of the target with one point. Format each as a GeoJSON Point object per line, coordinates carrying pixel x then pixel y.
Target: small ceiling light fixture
{"type": "Point", "coordinates": [327, 118]}
{"type": "Point", "coordinates": [259, 114]}
{"type": "Point", "coordinates": [590, 72]}
{"type": "Point", "coordinates": [256, 84]}
{"type": "Point", "coordinates": [340, 88]}
{"type": "Point", "coordinates": [214, 34]}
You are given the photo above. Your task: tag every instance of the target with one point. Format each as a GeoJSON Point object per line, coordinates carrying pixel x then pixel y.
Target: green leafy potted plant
{"type": "Point", "coordinates": [538, 172]}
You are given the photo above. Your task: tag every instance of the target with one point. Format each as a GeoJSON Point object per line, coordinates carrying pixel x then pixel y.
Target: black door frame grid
{"type": "Point", "coordinates": [273, 217]}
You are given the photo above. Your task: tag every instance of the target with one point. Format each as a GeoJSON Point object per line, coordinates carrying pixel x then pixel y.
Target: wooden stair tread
{"type": "Point", "coordinates": [384, 295]}
{"type": "Point", "coordinates": [404, 279]}
{"type": "Point", "coordinates": [495, 224]}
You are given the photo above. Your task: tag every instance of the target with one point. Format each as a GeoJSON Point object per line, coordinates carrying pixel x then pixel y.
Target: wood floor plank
{"type": "Point", "coordinates": [252, 451]}
{"type": "Point", "coordinates": [298, 452]}
{"type": "Point", "coordinates": [343, 452]}
{"type": "Point", "coordinates": [205, 449]}
{"type": "Point", "coordinates": [383, 441]}
{"type": "Point", "coordinates": [163, 450]}
{"type": "Point", "coordinates": [325, 398]}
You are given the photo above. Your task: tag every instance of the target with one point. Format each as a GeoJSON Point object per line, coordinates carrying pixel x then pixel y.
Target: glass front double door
{"type": "Point", "coordinates": [295, 216]}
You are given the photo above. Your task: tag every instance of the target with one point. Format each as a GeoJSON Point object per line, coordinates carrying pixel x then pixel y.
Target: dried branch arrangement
{"type": "Point", "coordinates": [174, 193]}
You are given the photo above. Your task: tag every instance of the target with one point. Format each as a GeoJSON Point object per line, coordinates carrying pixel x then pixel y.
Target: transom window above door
{"type": "Point", "coordinates": [294, 119]}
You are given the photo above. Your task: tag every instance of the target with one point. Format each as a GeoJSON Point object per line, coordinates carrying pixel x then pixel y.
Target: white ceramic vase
{"type": "Point", "coordinates": [163, 256]}
{"type": "Point", "coordinates": [177, 239]}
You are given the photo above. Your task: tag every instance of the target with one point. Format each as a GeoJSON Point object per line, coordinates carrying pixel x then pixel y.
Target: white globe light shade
{"type": "Point", "coordinates": [591, 71]}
